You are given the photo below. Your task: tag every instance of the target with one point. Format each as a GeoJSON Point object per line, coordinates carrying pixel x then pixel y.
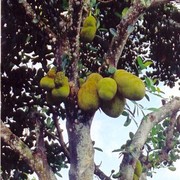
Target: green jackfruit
{"type": "Point", "coordinates": [135, 177]}
{"type": "Point", "coordinates": [88, 98]}
{"type": "Point", "coordinates": [107, 88]}
{"type": "Point", "coordinates": [94, 77]}
{"type": "Point", "coordinates": [138, 168]}
{"type": "Point", "coordinates": [61, 92]}
{"type": "Point", "coordinates": [87, 34]}
{"type": "Point", "coordinates": [114, 107]}
{"type": "Point", "coordinates": [81, 81]}
{"type": "Point", "coordinates": [60, 79]}
{"type": "Point", "coordinates": [47, 83]}
{"type": "Point", "coordinates": [88, 30]}
{"type": "Point", "coordinates": [89, 21]}
{"type": "Point", "coordinates": [51, 100]}
{"type": "Point", "coordinates": [129, 85]}
{"type": "Point", "coordinates": [52, 72]}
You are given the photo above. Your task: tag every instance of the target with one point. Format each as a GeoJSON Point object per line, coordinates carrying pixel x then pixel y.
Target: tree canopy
{"type": "Point", "coordinates": [38, 35]}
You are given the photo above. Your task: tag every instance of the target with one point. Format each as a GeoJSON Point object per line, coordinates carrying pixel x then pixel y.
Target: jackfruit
{"type": "Point", "coordinates": [51, 100]}
{"type": "Point", "coordinates": [81, 81]}
{"type": "Point", "coordinates": [107, 88]}
{"type": "Point", "coordinates": [47, 83]}
{"type": "Point", "coordinates": [138, 168]}
{"type": "Point", "coordinates": [89, 21]}
{"type": "Point", "coordinates": [60, 79]}
{"type": "Point", "coordinates": [52, 72]}
{"type": "Point", "coordinates": [114, 107]}
{"type": "Point", "coordinates": [135, 177]}
{"type": "Point", "coordinates": [95, 77]}
{"type": "Point", "coordinates": [61, 92]}
{"type": "Point", "coordinates": [88, 30]}
{"type": "Point", "coordinates": [88, 33]}
{"type": "Point", "coordinates": [88, 98]}
{"type": "Point", "coordinates": [129, 85]}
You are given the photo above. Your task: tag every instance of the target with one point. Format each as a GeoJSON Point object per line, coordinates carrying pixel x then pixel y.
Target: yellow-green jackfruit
{"type": "Point", "coordinates": [114, 107]}
{"type": "Point", "coordinates": [135, 177]}
{"type": "Point", "coordinates": [60, 79]}
{"type": "Point", "coordinates": [89, 21]}
{"type": "Point", "coordinates": [138, 168]}
{"type": "Point", "coordinates": [88, 30]}
{"type": "Point", "coordinates": [88, 98]}
{"type": "Point", "coordinates": [61, 92]}
{"type": "Point", "coordinates": [47, 83]}
{"type": "Point", "coordinates": [94, 77]}
{"type": "Point", "coordinates": [52, 72]}
{"type": "Point", "coordinates": [129, 85]}
{"type": "Point", "coordinates": [107, 88]}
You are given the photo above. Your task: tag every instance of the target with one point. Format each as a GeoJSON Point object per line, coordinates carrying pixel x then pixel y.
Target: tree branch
{"type": "Point", "coordinates": [34, 160]}
{"type": "Point", "coordinates": [100, 173]}
{"type": "Point", "coordinates": [60, 139]}
{"type": "Point", "coordinates": [124, 29]}
{"type": "Point", "coordinates": [140, 137]}
{"type": "Point", "coordinates": [75, 11]}
{"type": "Point", "coordinates": [32, 15]}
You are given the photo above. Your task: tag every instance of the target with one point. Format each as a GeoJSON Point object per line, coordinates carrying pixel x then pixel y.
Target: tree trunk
{"type": "Point", "coordinates": [81, 148]}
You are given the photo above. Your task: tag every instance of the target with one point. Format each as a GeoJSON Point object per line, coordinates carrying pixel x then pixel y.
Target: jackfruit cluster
{"type": "Point", "coordinates": [137, 171]}
{"type": "Point", "coordinates": [57, 86]}
{"type": "Point", "coordinates": [110, 93]}
{"type": "Point", "coordinates": [88, 30]}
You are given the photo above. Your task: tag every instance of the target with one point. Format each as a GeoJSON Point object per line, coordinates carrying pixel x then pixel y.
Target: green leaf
{"type": "Point", "coordinates": [148, 63]}
{"type": "Point", "coordinates": [113, 31]}
{"type": "Point", "coordinates": [153, 109]}
{"type": "Point", "coordinates": [124, 11]}
{"type": "Point", "coordinates": [140, 63]}
{"type": "Point", "coordinates": [58, 174]}
{"type": "Point", "coordinates": [111, 70]}
{"type": "Point", "coordinates": [117, 150]}
{"type": "Point", "coordinates": [127, 122]}
{"type": "Point", "coordinates": [172, 168]}
{"type": "Point", "coordinates": [98, 149]}
{"type": "Point", "coordinates": [131, 135]}
{"type": "Point", "coordinates": [125, 113]}
{"type": "Point", "coordinates": [147, 97]}
{"type": "Point", "coordinates": [117, 175]}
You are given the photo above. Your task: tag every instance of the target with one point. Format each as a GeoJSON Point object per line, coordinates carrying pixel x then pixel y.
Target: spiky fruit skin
{"type": "Point", "coordinates": [88, 30]}
{"type": "Point", "coordinates": [138, 168]}
{"type": "Point", "coordinates": [89, 21]}
{"type": "Point", "coordinates": [81, 81]}
{"type": "Point", "coordinates": [88, 33]}
{"type": "Point", "coordinates": [95, 77]}
{"type": "Point", "coordinates": [129, 85]}
{"type": "Point", "coordinates": [61, 92]}
{"type": "Point", "coordinates": [135, 177]}
{"type": "Point", "coordinates": [107, 88]}
{"type": "Point", "coordinates": [60, 79]}
{"type": "Point", "coordinates": [47, 83]}
{"type": "Point", "coordinates": [114, 107]}
{"type": "Point", "coordinates": [88, 98]}
{"type": "Point", "coordinates": [52, 72]}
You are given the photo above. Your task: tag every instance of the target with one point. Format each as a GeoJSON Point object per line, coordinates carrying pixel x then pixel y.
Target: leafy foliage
{"type": "Point", "coordinates": [28, 52]}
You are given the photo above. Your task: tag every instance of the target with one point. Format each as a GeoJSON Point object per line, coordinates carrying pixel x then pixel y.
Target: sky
{"type": "Point", "coordinates": [109, 134]}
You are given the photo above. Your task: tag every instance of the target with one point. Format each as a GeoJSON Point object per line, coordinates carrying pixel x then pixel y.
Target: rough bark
{"type": "Point", "coordinates": [81, 149]}
{"type": "Point", "coordinates": [36, 160]}
{"type": "Point", "coordinates": [140, 137]}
